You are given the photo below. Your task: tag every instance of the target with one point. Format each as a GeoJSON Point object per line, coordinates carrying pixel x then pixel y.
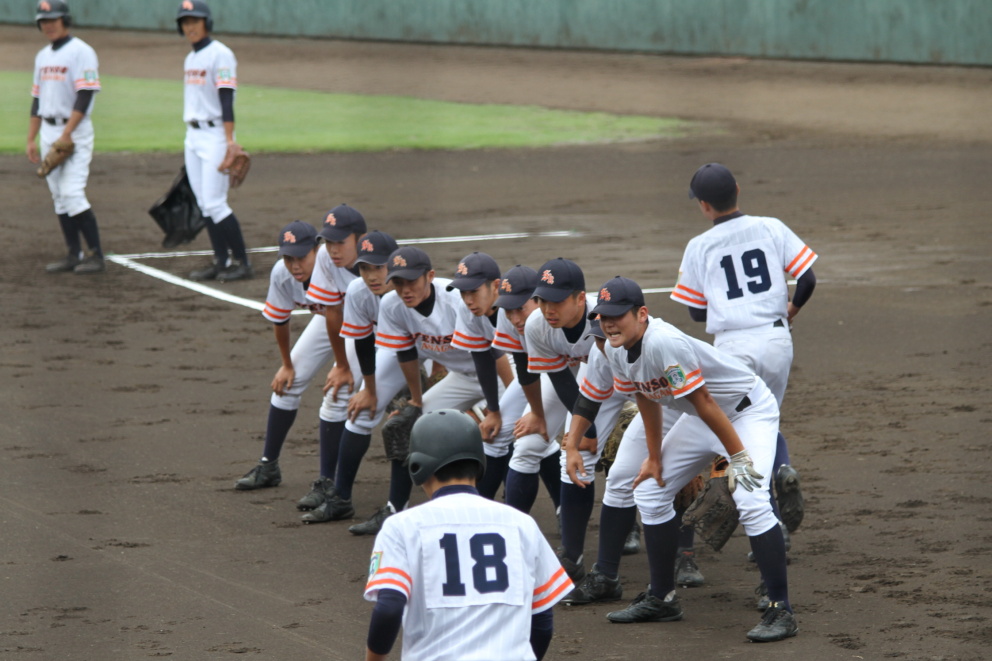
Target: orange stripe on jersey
{"type": "Point", "coordinates": [394, 570]}
{"type": "Point", "coordinates": [357, 332]}
{"type": "Point", "coordinates": [535, 364]}
{"type": "Point", "coordinates": [594, 393]}
{"type": "Point", "coordinates": [692, 380]}
{"type": "Point", "coordinates": [686, 295]}
{"type": "Point", "coordinates": [277, 313]}
{"type": "Point", "coordinates": [504, 341]}
{"type": "Point", "coordinates": [325, 296]}
{"type": "Point", "coordinates": [804, 256]}
{"type": "Point", "coordinates": [394, 341]}
{"type": "Point", "coordinates": [623, 386]}
{"type": "Point", "coordinates": [799, 269]}
{"type": "Point", "coordinates": [380, 583]}
{"type": "Point", "coordinates": [565, 585]}
{"type": "Point", "coordinates": [35, 91]}
{"type": "Point", "coordinates": [83, 84]}
{"type": "Point", "coordinates": [469, 342]}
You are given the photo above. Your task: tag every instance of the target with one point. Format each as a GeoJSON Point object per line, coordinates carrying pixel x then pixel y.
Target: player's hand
{"type": "Point", "coordinates": [32, 151]}
{"type": "Point", "coordinates": [650, 468]}
{"type": "Point", "coordinates": [587, 444]}
{"type": "Point", "coordinates": [337, 378]}
{"type": "Point", "coordinates": [283, 380]}
{"type": "Point", "coordinates": [741, 472]}
{"type": "Point", "coordinates": [530, 424]}
{"type": "Point", "coordinates": [362, 401]}
{"type": "Point", "coordinates": [66, 139]}
{"type": "Point", "coordinates": [490, 425]}
{"type": "Point", "coordinates": [574, 464]}
{"type": "Point", "coordinates": [791, 313]}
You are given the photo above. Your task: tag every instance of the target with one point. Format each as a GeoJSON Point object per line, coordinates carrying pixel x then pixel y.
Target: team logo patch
{"type": "Point", "coordinates": [224, 74]}
{"type": "Point", "coordinates": [604, 294]}
{"type": "Point", "coordinates": [367, 246]}
{"type": "Point", "coordinates": [399, 261]}
{"type": "Point", "coordinates": [331, 220]}
{"type": "Point", "coordinates": [548, 277]}
{"type": "Point", "coordinates": [289, 237]}
{"type": "Point", "coordinates": [462, 269]}
{"type": "Point", "coordinates": [675, 375]}
{"type": "Point", "coordinates": [506, 286]}
{"type": "Point", "coordinates": [187, 5]}
{"type": "Point", "coordinates": [374, 563]}
{"type": "Point", "coordinates": [44, 6]}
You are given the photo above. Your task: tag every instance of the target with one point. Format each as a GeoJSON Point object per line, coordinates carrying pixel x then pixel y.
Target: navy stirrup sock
{"type": "Point", "coordinates": [350, 453]}
{"type": "Point", "coordinates": [280, 422]}
{"type": "Point", "coordinates": [231, 229]}
{"type": "Point", "coordinates": [614, 526]}
{"type": "Point", "coordinates": [70, 232]}
{"type": "Point", "coordinates": [521, 490]}
{"type": "Point", "coordinates": [576, 508]}
{"type": "Point", "coordinates": [217, 243]}
{"type": "Point", "coordinates": [330, 445]}
{"type": "Point", "coordinates": [86, 222]}
{"type": "Point", "coordinates": [550, 472]}
{"type": "Point", "coordinates": [781, 455]}
{"type": "Point", "coordinates": [769, 553]}
{"type": "Point", "coordinates": [493, 477]}
{"type": "Point", "coordinates": [400, 485]}
{"type": "Point", "coordinates": [687, 534]}
{"type": "Point", "coordinates": [662, 541]}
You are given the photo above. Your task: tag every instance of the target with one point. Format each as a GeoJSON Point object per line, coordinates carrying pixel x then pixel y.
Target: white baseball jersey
{"type": "Point", "coordinates": [507, 338]}
{"type": "Point", "coordinates": [401, 328]}
{"type": "Point", "coordinates": [673, 364]}
{"type": "Point", "coordinates": [59, 74]}
{"type": "Point", "coordinates": [286, 294]}
{"type": "Point", "coordinates": [734, 271]}
{"type": "Point", "coordinates": [473, 571]}
{"type": "Point", "coordinates": [207, 70]}
{"type": "Point", "coordinates": [548, 350]}
{"type": "Point", "coordinates": [361, 311]}
{"type": "Point", "coordinates": [474, 333]}
{"type": "Point", "coordinates": [329, 283]}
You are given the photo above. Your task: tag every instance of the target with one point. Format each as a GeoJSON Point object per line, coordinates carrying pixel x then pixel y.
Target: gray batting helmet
{"type": "Point", "coordinates": [53, 9]}
{"type": "Point", "coordinates": [195, 8]}
{"type": "Point", "coordinates": [442, 437]}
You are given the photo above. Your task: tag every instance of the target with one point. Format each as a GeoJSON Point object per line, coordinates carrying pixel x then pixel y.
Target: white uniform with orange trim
{"type": "Point", "coordinates": [206, 71]}
{"type": "Point", "coordinates": [736, 271]}
{"type": "Point", "coordinates": [58, 76]}
{"type": "Point", "coordinates": [672, 365]}
{"type": "Point", "coordinates": [474, 333]}
{"type": "Point", "coordinates": [473, 571]}
{"type": "Point", "coordinates": [548, 351]}
{"type": "Point", "coordinates": [402, 328]}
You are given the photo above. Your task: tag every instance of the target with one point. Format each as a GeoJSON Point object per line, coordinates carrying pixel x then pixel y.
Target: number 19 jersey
{"type": "Point", "coordinates": [736, 271]}
{"type": "Point", "coordinates": [474, 571]}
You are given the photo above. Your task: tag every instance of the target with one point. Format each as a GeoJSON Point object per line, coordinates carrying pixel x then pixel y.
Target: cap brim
{"type": "Point", "coordinates": [335, 234]}
{"type": "Point", "coordinates": [692, 196]}
{"type": "Point", "coordinates": [610, 310]}
{"type": "Point", "coordinates": [296, 250]}
{"type": "Point", "coordinates": [406, 274]}
{"type": "Point", "coordinates": [465, 284]}
{"type": "Point", "coordinates": [552, 294]}
{"type": "Point", "coordinates": [375, 260]}
{"type": "Point", "coordinates": [513, 301]}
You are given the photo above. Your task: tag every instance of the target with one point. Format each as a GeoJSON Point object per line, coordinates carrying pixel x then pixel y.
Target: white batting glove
{"type": "Point", "coordinates": [741, 470]}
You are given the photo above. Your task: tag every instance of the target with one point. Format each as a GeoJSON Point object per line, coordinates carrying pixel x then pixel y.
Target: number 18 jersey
{"type": "Point", "coordinates": [736, 271]}
{"type": "Point", "coordinates": [474, 571]}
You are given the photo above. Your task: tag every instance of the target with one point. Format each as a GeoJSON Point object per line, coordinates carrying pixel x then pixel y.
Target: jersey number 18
{"type": "Point", "coordinates": [489, 573]}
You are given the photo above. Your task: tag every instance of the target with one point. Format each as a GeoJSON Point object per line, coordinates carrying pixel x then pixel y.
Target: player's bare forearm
{"type": "Point", "coordinates": [34, 125]}
{"type": "Point", "coordinates": [792, 312]}
{"type": "Point", "coordinates": [651, 417]}
{"type": "Point", "coordinates": [74, 118]}
{"type": "Point", "coordinates": [372, 656]}
{"type": "Point", "coordinates": [283, 337]}
{"type": "Point", "coordinates": [411, 372]}
{"type": "Point", "coordinates": [229, 132]}
{"type": "Point", "coordinates": [490, 425]}
{"type": "Point", "coordinates": [532, 393]}
{"type": "Point", "coordinates": [572, 441]}
{"type": "Point", "coordinates": [334, 317]}
{"type": "Point", "coordinates": [505, 370]}
{"type": "Point", "coordinates": [714, 417]}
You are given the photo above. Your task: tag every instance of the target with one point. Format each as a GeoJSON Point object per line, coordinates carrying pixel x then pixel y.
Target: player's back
{"type": "Point", "coordinates": [474, 571]}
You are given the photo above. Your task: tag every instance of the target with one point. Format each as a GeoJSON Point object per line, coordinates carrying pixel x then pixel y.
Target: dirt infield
{"type": "Point", "coordinates": [130, 406]}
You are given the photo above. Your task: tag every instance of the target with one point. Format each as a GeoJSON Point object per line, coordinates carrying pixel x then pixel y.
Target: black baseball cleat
{"type": "Point", "coordinates": [374, 524]}
{"type": "Point", "coordinates": [64, 265]}
{"type": "Point", "coordinates": [632, 545]}
{"type": "Point", "coordinates": [319, 490]}
{"type": "Point", "coordinates": [238, 271]}
{"type": "Point", "coordinates": [334, 508]}
{"type": "Point", "coordinates": [789, 496]}
{"type": "Point", "coordinates": [776, 624]}
{"type": "Point", "coordinates": [208, 273]}
{"type": "Point", "coordinates": [90, 264]}
{"type": "Point", "coordinates": [648, 608]}
{"type": "Point", "coordinates": [596, 586]}
{"type": "Point", "coordinates": [265, 474]}
{"type": "Point", "coordinates": [574, 568]}
{"type": "Point", "coordinates": [687, 572]}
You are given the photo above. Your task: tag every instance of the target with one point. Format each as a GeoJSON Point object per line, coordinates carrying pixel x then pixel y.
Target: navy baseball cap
{"type": "Point", "coordinates": [341, 222]}
{"type": "Point", "coordinates": [408, 263]}
{"type": "Point", "coordinates": [517, 287]}
{"type": "Point", "coordinates": [297, 239]}
{"type": "Point", "coordinates": [595, 329]}
{"type": "Point", "coordinates": [474, 270]}
{"type": "Point", "coordinates": [712, 183]}
{"type": "Point", "coordinates": [375, 248]}
{"type": "Point", "coordinates": [616, 297]}
{"type": "Point", "coordinates": [558, 278]}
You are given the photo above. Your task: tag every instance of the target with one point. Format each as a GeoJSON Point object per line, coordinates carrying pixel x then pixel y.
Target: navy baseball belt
{"type": "Point", "coordinates": [778, 324]}
{"type": "Point", "coordinates": [746, 402]}
{"type": "Point", "coordinates": [54, 121]}
{"type": "Point", "coordinates": [197, 124]}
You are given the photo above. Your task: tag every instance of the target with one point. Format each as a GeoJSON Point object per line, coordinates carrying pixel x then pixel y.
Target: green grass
{"type": "Point", "coordinates": [144, 115]}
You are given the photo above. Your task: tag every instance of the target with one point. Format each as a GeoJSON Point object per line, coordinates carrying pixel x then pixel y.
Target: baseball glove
{"type": "Point", "coordinates": [396, 432]}
{"type": "Point", "coordinates": [713, 515]}
{"type": "Point", "coordinates": [236, 164]}
{"type": "Point", "coordinates": [609, 455]}
{"type": "Point", "coordinates": [687, 496]}
{"type": "Point", "coordinates": [57, 154]}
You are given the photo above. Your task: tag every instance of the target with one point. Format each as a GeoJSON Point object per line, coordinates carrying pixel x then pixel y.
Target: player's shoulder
{"type": "Point", "coordinates": [356, 288]}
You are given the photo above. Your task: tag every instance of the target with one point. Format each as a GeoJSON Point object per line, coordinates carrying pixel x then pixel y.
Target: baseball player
{"type": "Point", "coordinates": [466, 577]}
{"type": "Point", "coordinates": [733, 278]}
{"type": "Point", "coordinates": [65, 80]}
{"type": "Point", "coordinates": [381, 376]}
{"type": "Point", "coordinates": [210, 81]}
{"type": "Point", "coordinates": [728, 410]}
{"type": "Point", "coordinates": [324, 293]}
{"type": "Point", "coordinates": [558, 345]}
